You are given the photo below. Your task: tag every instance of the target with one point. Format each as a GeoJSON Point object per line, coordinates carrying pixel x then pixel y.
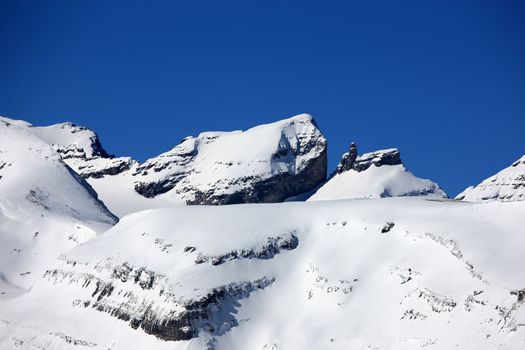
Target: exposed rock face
{"type": "Point", "coordinates": [348, 159]}
{"type": "Point", "coordinates": [272, 247]}
{"type": "Point", "coordinates": [268, 163]}
{"type": "Point", "coordinates": [145, 300]}
{"type": "Point", "coordinates": [507, 185]}
{"type": "Point", "coordinates": [375, 174]}
{"type": "Point", "coordinates": [351, 161]}
{"type": "Point", "coordinates": [378, 158]}
{"type": "Point", "coordinates": [164, 301]}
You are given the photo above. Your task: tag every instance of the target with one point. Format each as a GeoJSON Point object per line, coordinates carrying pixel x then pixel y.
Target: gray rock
{"type": "Point", "coordinates": [351, 161]}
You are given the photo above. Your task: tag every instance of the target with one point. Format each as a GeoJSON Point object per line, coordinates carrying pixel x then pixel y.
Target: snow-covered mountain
{"type": "Point", "coordinates": [389, 273]}
{"type": "Point", "coordinates": [507, 185]}
{"type": "Point", "coordinates": [45, 208]}
{"type": "Point", "coordinates": [374, 175]}
{"type": "Point", "coordinates": [423, 272]}
{"type": "Point", "coordinates": [267, 163]}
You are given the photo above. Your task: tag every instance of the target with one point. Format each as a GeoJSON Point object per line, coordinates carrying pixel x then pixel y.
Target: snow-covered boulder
{"type": "Point", "coordinates": [507, 185]}
{"type": "Point", "coordinates": [373, 175]}
{"type": "Point", "coordinates": [45, 207]}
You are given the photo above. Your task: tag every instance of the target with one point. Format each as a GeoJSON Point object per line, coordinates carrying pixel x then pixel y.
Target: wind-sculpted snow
{"type": "Point", "coordinates": [376, 174]}
{"type": "Point", "coordinates": [45, 208]}
{"type": "Point", "coordinates": [393, 273]}
{"type": "Point", "coordinates": [506, 185]}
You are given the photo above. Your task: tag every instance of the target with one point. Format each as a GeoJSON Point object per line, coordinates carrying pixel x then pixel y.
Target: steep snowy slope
{"type": "Point", "coordinates": [394, 273]}
{"type": "Point", "coordinates": [507, 185]}
{"type": "Point", "coordinates": [267, 163]}
{"type": "Point", "coordinates": [45, 208]}
{"type": "Point", "coordinates": [373, 175]}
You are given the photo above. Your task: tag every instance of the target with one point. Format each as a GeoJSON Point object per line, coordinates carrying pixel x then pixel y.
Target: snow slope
{"type": "Point", "coordinates": [390, 273]}
{"type": "Point", "coordinates": [267, 163]}
{"type": "Point", "coordinates": [45, 208]}
{"type": "Point", "coordinates": [507, 185]}
{"type": "Point", "coordinates": [374, 175]}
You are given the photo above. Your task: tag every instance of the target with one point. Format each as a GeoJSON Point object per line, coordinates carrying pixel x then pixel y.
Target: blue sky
{"type": "Point", "coordinates": [442, 80]}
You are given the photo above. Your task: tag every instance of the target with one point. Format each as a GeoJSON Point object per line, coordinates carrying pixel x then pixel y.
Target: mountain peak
{"type": "Point", "coordinates": [507, 185]}
{"type": "Point", "coordinates": [374, 174]}
{"type": "Point", "coordinates": [352, 161]}
{"type": "Point", "coordinates": [71, 140]}
{"type": "Point", "coordinates": [266, 163]}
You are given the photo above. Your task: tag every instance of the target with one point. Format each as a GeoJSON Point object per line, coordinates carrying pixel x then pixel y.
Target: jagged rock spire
{"type": "Point", "coordinates": [351, 161]}
{"type": "Point", "coordinates": [348, 159]}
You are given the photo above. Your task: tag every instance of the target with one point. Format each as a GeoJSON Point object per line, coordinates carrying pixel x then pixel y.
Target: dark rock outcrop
{"type": "Point", "coordinates": [378, 158]}
{"type": "Point", "coordinates": [154, 308]}
{"type": "Point", "coordinates": [351, 161]}
{"type": "Point", "coordinates": [348, 159]}
{"type": "Point", "coordinates": [98, 168]}
{"type": "Point", "coordinates": [272, 247]}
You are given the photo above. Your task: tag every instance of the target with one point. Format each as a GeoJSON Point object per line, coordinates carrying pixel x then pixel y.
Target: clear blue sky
{"type": "Point", "coordinates": [442, 80]}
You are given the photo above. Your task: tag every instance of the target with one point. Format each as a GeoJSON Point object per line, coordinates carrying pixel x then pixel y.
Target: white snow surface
{"type": "Point", "coordinates": [506, 185]}
{"type": "Point", "coordinates": [377, 182]}
{"type": "Point", "coordinates": [45, 208]}
{"type": "Point", "coordinates": [390, 273]}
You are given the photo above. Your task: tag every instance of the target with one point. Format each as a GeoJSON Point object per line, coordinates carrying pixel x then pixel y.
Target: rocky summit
{"type": "Point", "coordinates": [351, 160]}
{"type": "Point", "coordinates": [372, 175]}
{"type": "Point", "coordinates": [268, 163]}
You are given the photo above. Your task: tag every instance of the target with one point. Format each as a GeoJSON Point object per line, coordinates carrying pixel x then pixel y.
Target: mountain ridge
{"type": "Point", "coordinates": [347, 268]}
